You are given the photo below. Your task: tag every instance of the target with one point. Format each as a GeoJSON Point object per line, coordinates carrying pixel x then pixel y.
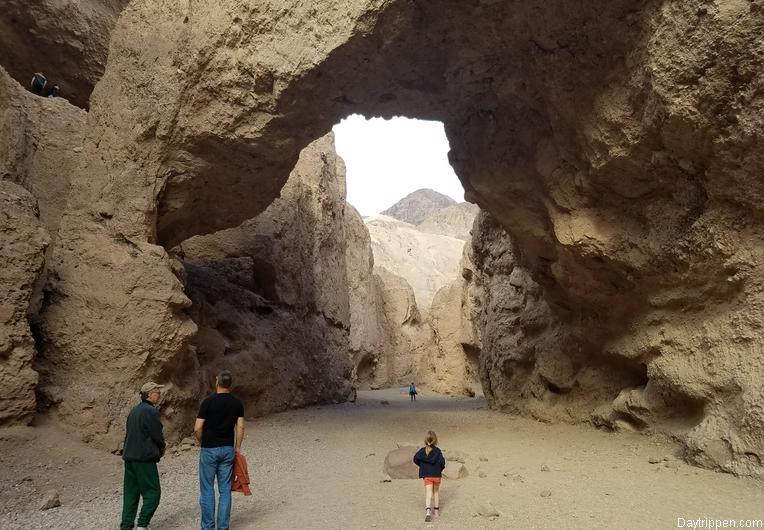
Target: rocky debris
{"type": "Point", "coordinates": [544, 468]}
{"type": "Point", "coordinates": [418, 206]}
{"type": "Point", "coordinates": [546, 493]}
{"type": "Point", "coordinates": [428, 262]}
{"type": "Point", "coordinates": [50, 500]}
{"type": "Point", "coordinates": [456, 472]}
{"type": "Point", "coordinates": [23, 241]}
{"type": "Point", "coordinates": [453, 455]}
{"type": "Point", "coordinates": [67, 41]}
{"type": "Point", "coordinates": [399, 463]}
{"type": "Point", "coordinates": [488, 510]}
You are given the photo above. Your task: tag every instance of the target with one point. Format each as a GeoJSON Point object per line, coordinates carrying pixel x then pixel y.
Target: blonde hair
{"type": "Point", "coordinates": [430, 441]}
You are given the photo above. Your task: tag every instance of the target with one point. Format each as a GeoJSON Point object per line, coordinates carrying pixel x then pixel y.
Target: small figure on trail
{"type": "Point", "coordinates": [412, 392]}
{"type": "Point", "coordinates": [52, 92]}
{"type": "Point", "coordinates": [431, 463]}
{"type": "Point", "coordinates": [144, 446]}
{"type": "Point", "coordinates": [38, 83]}
{"type": "Point", "coordinates": [219, 428]}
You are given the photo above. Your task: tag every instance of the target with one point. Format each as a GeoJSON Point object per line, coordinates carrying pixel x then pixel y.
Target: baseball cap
{"type": "Point", "coordinates": [148, 387]}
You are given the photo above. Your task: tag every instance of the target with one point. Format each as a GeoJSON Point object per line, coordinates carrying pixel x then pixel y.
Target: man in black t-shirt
{"type": "Point", "coordinates": [220, 429]}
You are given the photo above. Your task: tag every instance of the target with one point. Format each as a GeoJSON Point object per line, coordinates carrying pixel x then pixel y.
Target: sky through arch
{"type": "Point", "coordinates": [388, 159]}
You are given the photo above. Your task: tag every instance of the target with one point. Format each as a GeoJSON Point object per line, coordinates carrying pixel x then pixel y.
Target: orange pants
{"type": "Point", "coordinates": [435, 481]}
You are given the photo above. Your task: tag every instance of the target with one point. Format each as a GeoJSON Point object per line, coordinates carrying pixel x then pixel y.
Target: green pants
{"type": "Point", "coordinates": [141, 480]}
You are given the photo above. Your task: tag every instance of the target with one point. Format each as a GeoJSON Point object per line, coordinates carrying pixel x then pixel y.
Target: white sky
{"type": "Point", "coordinates": [388, 159]}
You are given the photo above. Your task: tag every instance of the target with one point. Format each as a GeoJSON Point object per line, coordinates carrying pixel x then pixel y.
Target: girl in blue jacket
{"type": "Point", "coordinates": [431, 463]}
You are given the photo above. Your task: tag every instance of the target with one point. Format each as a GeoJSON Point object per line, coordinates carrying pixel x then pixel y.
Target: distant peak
{"type": "Point", "coordinates": [418, 205]}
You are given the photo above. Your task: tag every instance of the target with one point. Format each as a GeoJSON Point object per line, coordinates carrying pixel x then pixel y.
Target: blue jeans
{"type": "Point", "coordinates": [215, 462]}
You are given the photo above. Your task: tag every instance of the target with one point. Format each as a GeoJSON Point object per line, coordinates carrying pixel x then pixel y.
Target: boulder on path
{"type": "Point", "coordinates": [399, 463]}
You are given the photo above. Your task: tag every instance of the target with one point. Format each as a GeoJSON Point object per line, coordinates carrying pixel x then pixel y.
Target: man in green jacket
{"type": "Point", "coordinates": [144, 446]}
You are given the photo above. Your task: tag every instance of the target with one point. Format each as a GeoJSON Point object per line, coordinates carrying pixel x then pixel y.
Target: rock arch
{"type": "Point", "coordinates": [621, 161]}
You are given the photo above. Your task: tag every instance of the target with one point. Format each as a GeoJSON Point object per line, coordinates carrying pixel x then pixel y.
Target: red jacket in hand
{"type": "Point", "coordinates": [240, 480]}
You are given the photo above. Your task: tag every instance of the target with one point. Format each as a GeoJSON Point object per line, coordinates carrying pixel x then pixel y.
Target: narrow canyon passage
{"type": "Point", "coordinates": [597, 324]}
{"type": "Point", "coordinates": [322, 467]}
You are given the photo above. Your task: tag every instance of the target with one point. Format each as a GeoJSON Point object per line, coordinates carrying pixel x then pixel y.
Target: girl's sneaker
{"type": "Point", "coordinates": [427, 515]}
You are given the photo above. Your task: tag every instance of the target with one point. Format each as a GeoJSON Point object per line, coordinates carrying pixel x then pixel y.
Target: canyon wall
{"type": "Point", "coordinates": [271, 296]}
{"type": "Point", "coordinates": [67, 41]}
{"type": "Point", "coordinates": [39, 141]}
{"type": "Point", "coordinates": [23, 240]}
{"type": "Point", "coordinates": [618, 143]}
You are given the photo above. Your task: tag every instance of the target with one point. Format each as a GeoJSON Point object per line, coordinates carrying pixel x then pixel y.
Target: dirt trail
{"type": "Point", "coordinates": [321, 467]}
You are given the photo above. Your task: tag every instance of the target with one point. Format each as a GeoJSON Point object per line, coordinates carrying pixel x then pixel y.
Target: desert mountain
{"type": "Point", "coordinates": [418, 206]}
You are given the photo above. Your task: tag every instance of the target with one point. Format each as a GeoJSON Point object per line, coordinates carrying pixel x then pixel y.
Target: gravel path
{"type": "Point", "coordinates": [321, 467]}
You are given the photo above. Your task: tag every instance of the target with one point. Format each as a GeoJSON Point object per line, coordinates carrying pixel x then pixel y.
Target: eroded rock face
{"type": "Point", "coordinates": [453, 363]}
{"type": "Point", "coordinates": [23, 240]}
{"type": "Point", "coordinates": [368, 333]}
{"type": "Point", "coordinates": [533, 362]}
{"type": "Point", "coordinates": [427, 261]}
{"type": "Point", "coordinates": [67, 41]}
{"type": "Point", "coordinates": [408, 337]}
{"type": "Point", "coordinates": [619, 144]}
{"type": "Point", "coordinates": [38, 139]}
{"type": "Point", "coordinates": [271, 296]}
{"type": "Point", "coordinates": [40, 142]}
{"type": "Point", "coordinates": [453, 221]}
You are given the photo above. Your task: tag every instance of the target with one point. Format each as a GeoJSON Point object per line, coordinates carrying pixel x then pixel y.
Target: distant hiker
{"type": "Point", "coordinates": [38, 83]}
{"type": "Point", "coordinates": [52, 92]}
{"type": "Point", "coordinates": [144, 446]}
{"type": "Point", "coordinates": [412, 392]}
{"type": "Point", "coordinates": [220, 429]}
{"type": "Point", "coordinates": [431, 463]}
